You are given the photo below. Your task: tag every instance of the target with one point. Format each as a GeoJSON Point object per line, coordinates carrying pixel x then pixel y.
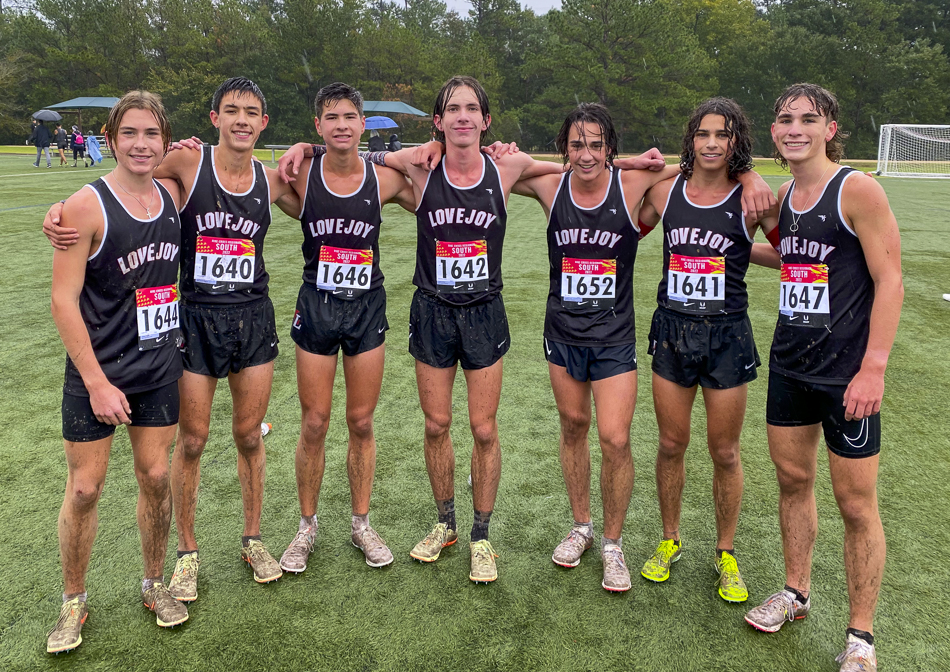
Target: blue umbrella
{"type": "Point", "coordinates": [373, 123]}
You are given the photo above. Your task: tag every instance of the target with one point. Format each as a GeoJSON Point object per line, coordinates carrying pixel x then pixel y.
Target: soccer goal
{"type": "Point", "coordinates": [914, 150]}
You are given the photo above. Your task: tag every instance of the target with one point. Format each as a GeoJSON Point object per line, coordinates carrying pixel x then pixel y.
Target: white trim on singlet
{"type": "Point", "coordinates": [840, 213]}
{"type": "Point", "coordinates": [154, 218]}
{"type": "Point", "coordinates": [194, 182]}
{"type": "Point", "coordinates": [570, 193]}
{"type": "Point", "coordinates": [333, 193]}
{"type": "Point", "coordinates": [817, 201]}
{"type": "Point", "coordinates": [623, 199]}
{"type": "Point", "coordinates": [270, 199]}
{"type": "Point", "coordinates": [714, 205]}
{"type": "Point", "coordinates": [214, 174]}
{"type": "Point", "coordinates": [424, 187]}
{"type": "Point", "coordinates": [669, 195]}
{"type": "Point", "coordinates": [557, 192]}
{"type": "Point", "coordinates": [449, 182]}
{"type": "Point", "coordinates": [745, 229]}
{"type": "Point", "coordinates": [379, 196]}
{"type": "Point", "coordinates": [105, 222]}
{"type": "Point", "coordinates": [501, 185]}
{"type": "Point", "coordinates": [306, 188]}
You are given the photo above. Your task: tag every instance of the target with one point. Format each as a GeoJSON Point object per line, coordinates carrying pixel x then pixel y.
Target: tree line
{"type": "Point", "coordinates": [649, 61]}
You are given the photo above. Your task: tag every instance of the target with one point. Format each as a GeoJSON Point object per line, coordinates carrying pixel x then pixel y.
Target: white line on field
{"type": "Point", "coordinates": [52, 172]}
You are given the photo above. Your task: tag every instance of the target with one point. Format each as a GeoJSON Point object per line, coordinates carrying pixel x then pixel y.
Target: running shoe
{"type": "Point", "coordinates": [484, 569]}
{"type": "Point", "coordinates": [66, 635]}
{"type": "Point", "coordinates": [568, 553]}
{"type": "Point", "coordinates": [616, 574]}
{"type": "Point", "coordinates": [265, 567]}
{"type": "Point", "coordinates": [428, 549]}
{"type": "Point", "coordinates": [184, 583]}
{"type": "Point", "coordinates": [374, 548]}
{"type": "Point", "coordinates": [295, 558]}
{"type": "Point", "coordinates": [731, 586]}
{"type": "Point", "coordinates": [657, 568]}
{"type": "Point", "coordinates": [772, 614]}
{"type": "Point", "coordinates": [169, 612]}
{"type": "Point", "coordinates": [858, 657]}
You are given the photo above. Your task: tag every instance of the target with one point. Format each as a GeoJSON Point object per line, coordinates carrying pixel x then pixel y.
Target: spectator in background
{"type": "Point", "coordinates": [62, 142]}
{"type": "Point", "coordinates": [376, 143]}
{"type": "Point", "coordinates": [78, 144]}
{"type": "Point", "coordinates": [394, 144]}
{"type": "Point", "coordinates": [41, 139]}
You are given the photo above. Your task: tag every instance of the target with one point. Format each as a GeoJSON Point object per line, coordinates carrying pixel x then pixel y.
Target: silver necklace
{"type": "Point", "coordinates": [794, 227]}
{"type": "Point", "coordinates": [148, 208]}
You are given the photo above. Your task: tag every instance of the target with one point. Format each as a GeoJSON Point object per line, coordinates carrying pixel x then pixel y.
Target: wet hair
{"type": "Point", "coordinates": [445, 93]}
{"type": "Point", "coordinates": [590, 113]}
{"type": "Point", "coordinates": [138, 100]}
{"type": "Point", "coordinates": [334, 93]}
{"type": "Point", "coordinates": [238, 85]}
{"type": "Point", "coordinates": [825, 104]}
{"type": "Point", "coordinates": [737, 126]}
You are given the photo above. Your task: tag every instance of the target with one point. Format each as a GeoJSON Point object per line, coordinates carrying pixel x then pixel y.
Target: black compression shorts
{"type": "Point", "coordinates": [716, 352]}
{"type": "Point", "coordinates": [152, 408]}
{"type": "Point", "coordinates": [441, 334]}
{"type": "Point", "coordinates": [226, 339]}
{"type": "Point", "coordinates": [796, 403]}
{"type": "Point", "coordinates": [323, 324]}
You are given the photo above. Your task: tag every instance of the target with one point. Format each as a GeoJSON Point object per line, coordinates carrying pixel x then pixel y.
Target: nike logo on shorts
{"type": "Point", "coordinates": [384, 329]}
{"type": "Point", "coordinates": [861, 439]}
{"type": "Point", "coordinates": [546, 346]}
{"type": "Point", "coordinates": [501, 344]}
{"type": "Point", "coordinates": [749, 366]}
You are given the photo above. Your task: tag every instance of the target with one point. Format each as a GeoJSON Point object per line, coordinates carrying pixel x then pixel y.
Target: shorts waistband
{"type": "Point", "coordinates": [715, 318]}
{"type": "Point", "coordinates": [251, 303]}
{"type": "Point", "coordinates": [434, 298]}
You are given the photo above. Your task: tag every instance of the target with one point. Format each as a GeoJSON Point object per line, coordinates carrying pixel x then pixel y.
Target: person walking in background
{"type": "Point", "coordinates": [41, 139]}
{"type": "Point", "coordinates": [61, 143]}
{"type": "Point", "coordinates": [394, 144]}
{"type": "Point", "coordinates": [78, 145]}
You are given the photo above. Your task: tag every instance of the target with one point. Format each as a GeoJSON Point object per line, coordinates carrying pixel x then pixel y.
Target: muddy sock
{"type": "Point", "coordinates": [480, 526]}
{"type": "Point", "coordinates": [246, 540]}
{"type": "Point", "coordinates": [308, 521]}
{"type": "Point", "coordinates": [446, 509]}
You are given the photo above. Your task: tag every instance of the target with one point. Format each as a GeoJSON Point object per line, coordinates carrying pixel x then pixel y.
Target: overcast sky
{"type": "Point", "coordinates": [539, 6]}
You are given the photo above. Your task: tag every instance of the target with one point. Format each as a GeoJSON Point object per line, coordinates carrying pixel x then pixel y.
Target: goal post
{"type": "Point", "coordinates": [914, 150]}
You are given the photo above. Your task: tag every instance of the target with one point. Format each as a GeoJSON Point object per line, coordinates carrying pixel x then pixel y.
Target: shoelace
{"type": "Point", "coordinates": [188, 565]}
{"type": "Point", "coordinates": [305, 537]}
{"type": "Point", "coordinates": [577, 537]}
{"type": "Point", "coordinates": [368, 536]}
{"type": "Point", "coordinates": [729, 571]}
{"type": "Point", "coordinates": [256, 549]}
{"type": "Point", "coordinates": [857, 647]}
{"type": "Point", "coordinates": [787, 603]}
{"type": "Point", "coordinates": [437, 535]}
{"type": "Point", "coordinates": [615, 554]}
{"type": "Point", "coordinates": [483, 552]}
{"type": "Point", "coordinates": [67, 617]}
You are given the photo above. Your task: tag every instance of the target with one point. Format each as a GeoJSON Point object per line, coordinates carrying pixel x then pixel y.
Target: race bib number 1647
{"type": "Point", "coordinates": [803, 299]}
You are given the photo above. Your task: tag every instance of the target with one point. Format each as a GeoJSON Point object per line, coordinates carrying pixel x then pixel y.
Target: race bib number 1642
{"type": "Point", "coordinates": [461, 267]}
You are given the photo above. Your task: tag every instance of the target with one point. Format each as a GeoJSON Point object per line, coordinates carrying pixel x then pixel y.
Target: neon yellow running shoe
{"type": "Point", "coordinates": [184, 584]}
{"type": "Point", "coordinates": [731, 586]}
{"type": "Point", "coordinates": [657, 568]}
{"type": "Point", "coordinates": [66, 635]}
{"type": "Point", "coordinates": [429, 549]}
{"type": "Point", "coordinates": [484, 568]}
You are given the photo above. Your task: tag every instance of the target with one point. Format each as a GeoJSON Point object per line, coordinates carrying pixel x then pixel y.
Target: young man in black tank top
{"type": "Point", "coordinates": [701, 335]}
{"type": "Point", "coordinates": [115, 305]}
{"type": "Point", "coordinates": [229, 327]}
{"type": "Point", "coordinates": [840, 300]}
{"type": "Point", "coordinates": [341, 305]}
{"type": "Point", "coordinates": [589, 337]}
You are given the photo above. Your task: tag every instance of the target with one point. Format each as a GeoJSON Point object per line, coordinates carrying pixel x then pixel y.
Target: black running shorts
{"type": "Point", "coordinates": [592, 363]}
{"type": "Point", "coordinates": [152, 408]}
{"type": "Point", "coordinates": [796, 403]}
{"type": "Point", "coordinates": [226, 339]}
{"type": "Point", "coordinates": [323, 323]}
{"type": "Point", "coordinates": [713, 351]}
{"type": "Point", "coordinates": [442, 335]}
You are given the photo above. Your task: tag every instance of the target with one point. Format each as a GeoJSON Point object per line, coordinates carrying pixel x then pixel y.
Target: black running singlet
{"type": "Point", "coordinates": [129, 299]}
{"type": "Point", "coordinates": [460, 235]}
{"type": "Point", "coordinates": [222, 238]}
{"type": "Point", "coordinates": [341, 234]}
{"type": "Point", "coordinates": [825, 294]}
{"type": "Point", "coordinates": [591, 253]}
{"type": "Point", "coordinates": [706, 252]}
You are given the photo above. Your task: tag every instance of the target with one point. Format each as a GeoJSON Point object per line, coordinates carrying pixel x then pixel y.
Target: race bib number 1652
{"type": "Point", "coordinates": [588, 284]}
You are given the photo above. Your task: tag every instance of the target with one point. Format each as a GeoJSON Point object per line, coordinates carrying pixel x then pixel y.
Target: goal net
{"type": "Point", "coordinates": [914, 150]}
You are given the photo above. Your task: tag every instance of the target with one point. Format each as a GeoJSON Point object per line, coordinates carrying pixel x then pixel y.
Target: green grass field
{"type": "Point", "coordinates": [342, 615]}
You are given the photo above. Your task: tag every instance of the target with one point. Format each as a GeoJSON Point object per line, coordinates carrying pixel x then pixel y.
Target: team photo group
{"type": "Point", "coordinates": [160, 290]}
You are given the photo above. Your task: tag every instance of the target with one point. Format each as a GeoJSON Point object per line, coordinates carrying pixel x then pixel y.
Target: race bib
{"type": "Point", "coordinates": [156, 310]}
{"type": "Point", "coordinates": [588, 284]}
{"type": "Point", "coordinates": [461, 268]}
{"type": "Point", "coordinates": [804, 300]}
{"type": "Point", "coordinates": [697, 284]}
{"type": "Point", "coordinates": [347, 273]}
{"type": "Point", "coordinates": [223, 265]}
